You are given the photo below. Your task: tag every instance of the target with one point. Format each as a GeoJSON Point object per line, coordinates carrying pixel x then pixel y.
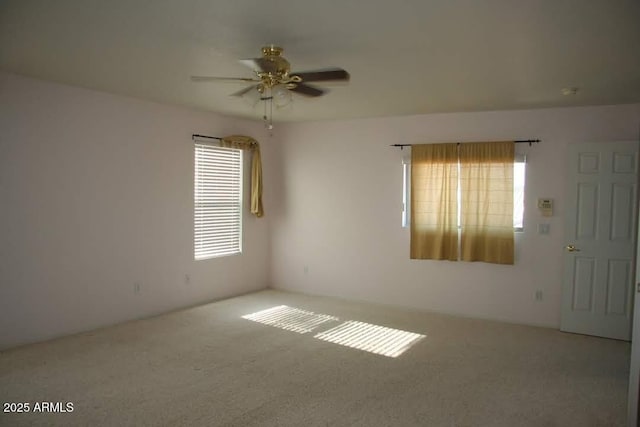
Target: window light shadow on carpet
{"type": "Point", "coordinates": [359, 335]}
{"type": "Point", "coordinates": [372, 338]}
{"type": "Point", "coordinates": [290, 319]}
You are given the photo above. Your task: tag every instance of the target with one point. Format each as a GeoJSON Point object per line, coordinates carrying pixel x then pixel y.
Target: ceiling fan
{"type": "Point", "coordinates": [273, 75]}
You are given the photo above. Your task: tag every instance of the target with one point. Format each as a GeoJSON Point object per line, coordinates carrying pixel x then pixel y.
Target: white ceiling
{"type": "Point", "coordinates": [404, 56]}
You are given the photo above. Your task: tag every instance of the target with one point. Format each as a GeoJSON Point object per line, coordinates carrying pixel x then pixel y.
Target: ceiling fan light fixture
{"type": "Point", "coordinates": [281, 95]}
{"type": "Point", "coordinates": [274, 83]}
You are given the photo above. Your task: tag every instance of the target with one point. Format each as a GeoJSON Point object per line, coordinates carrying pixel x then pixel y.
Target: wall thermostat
{"type": "Point", "coordinates": [545, 206]}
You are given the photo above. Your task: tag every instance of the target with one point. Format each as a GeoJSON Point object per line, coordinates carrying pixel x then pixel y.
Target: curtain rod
{"type": "Point", "coordinates": [195, 135]}
{"type": "Point", "coordinates": [521, 141]}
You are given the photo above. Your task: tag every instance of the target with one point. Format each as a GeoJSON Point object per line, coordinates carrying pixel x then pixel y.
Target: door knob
{"type": "Point", "coordinates": [572, 248]}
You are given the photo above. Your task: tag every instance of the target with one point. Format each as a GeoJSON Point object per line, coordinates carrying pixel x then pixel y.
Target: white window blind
{"type": "Point", "coordinates": [218, 201]}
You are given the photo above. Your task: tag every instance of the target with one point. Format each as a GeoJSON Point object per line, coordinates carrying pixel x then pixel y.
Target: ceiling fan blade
{"type": "Point", "coordinates": [217, 79]}
{"type": "Point", "coordinates": [260, 65]}
{"type": "Point", "coordinates": [245, 90]}
{"type": "Point", "coordinates": [307, 90]}
{"type": "Point", "coordinates": [329, 74]}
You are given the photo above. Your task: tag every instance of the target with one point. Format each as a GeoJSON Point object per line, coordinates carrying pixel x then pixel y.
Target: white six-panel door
{"type": "Point", "coordinates": [597, 296]}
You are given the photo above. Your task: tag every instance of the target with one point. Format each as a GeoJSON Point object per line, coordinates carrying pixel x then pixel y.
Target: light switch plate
{"type": "Point", "coordinates": [544, 228]}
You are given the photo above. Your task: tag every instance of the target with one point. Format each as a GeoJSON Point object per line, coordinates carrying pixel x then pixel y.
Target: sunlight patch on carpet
{"type": "Point", "coordinates": [290, 319]}
{"type": "Point", "coordinates": [372, 338]}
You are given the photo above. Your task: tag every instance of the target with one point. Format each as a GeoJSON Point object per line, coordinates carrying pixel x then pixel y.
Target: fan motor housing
{"type": "Point", "coordinates": [279, 69]}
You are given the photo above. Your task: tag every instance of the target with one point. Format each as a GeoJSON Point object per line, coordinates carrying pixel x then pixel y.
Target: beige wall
{"type": "Point", "coordinates": [336, 226]}
{"type": "Point", "coordinates": [96, 194]}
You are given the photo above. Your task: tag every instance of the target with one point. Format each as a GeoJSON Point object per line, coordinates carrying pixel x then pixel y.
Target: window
{"type": "Point", "coordinates": [218, 201]}
{"type": "Point", "coordinates": [518, 192]}
{"type": "Point", "coordinates": [462, 202]}
{"type": "Point", "coordinates": [406, 179]}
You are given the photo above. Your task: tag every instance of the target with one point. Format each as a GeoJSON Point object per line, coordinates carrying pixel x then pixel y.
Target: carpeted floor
{"type": "Point", "coordinates": [209, 366]}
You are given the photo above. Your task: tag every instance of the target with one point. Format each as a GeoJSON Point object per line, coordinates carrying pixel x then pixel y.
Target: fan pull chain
{"type": "Point", "coordinates": [268, 119]}
{"type": "Point", "coordinates": [264, 115]}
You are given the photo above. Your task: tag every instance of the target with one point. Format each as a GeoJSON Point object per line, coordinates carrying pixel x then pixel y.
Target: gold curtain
{"type": "Point", "coordinates": [242, 142]}
{"type": "Point", "coordinates": [486, 180]}
{"type": "Point", "coordinates": [434, 205]}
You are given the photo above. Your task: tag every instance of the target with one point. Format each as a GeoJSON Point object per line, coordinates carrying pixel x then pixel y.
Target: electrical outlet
{"type": "Point", "coordinates": [539, 295]}
{"type": "Point", "coordinates": [136, 288]}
